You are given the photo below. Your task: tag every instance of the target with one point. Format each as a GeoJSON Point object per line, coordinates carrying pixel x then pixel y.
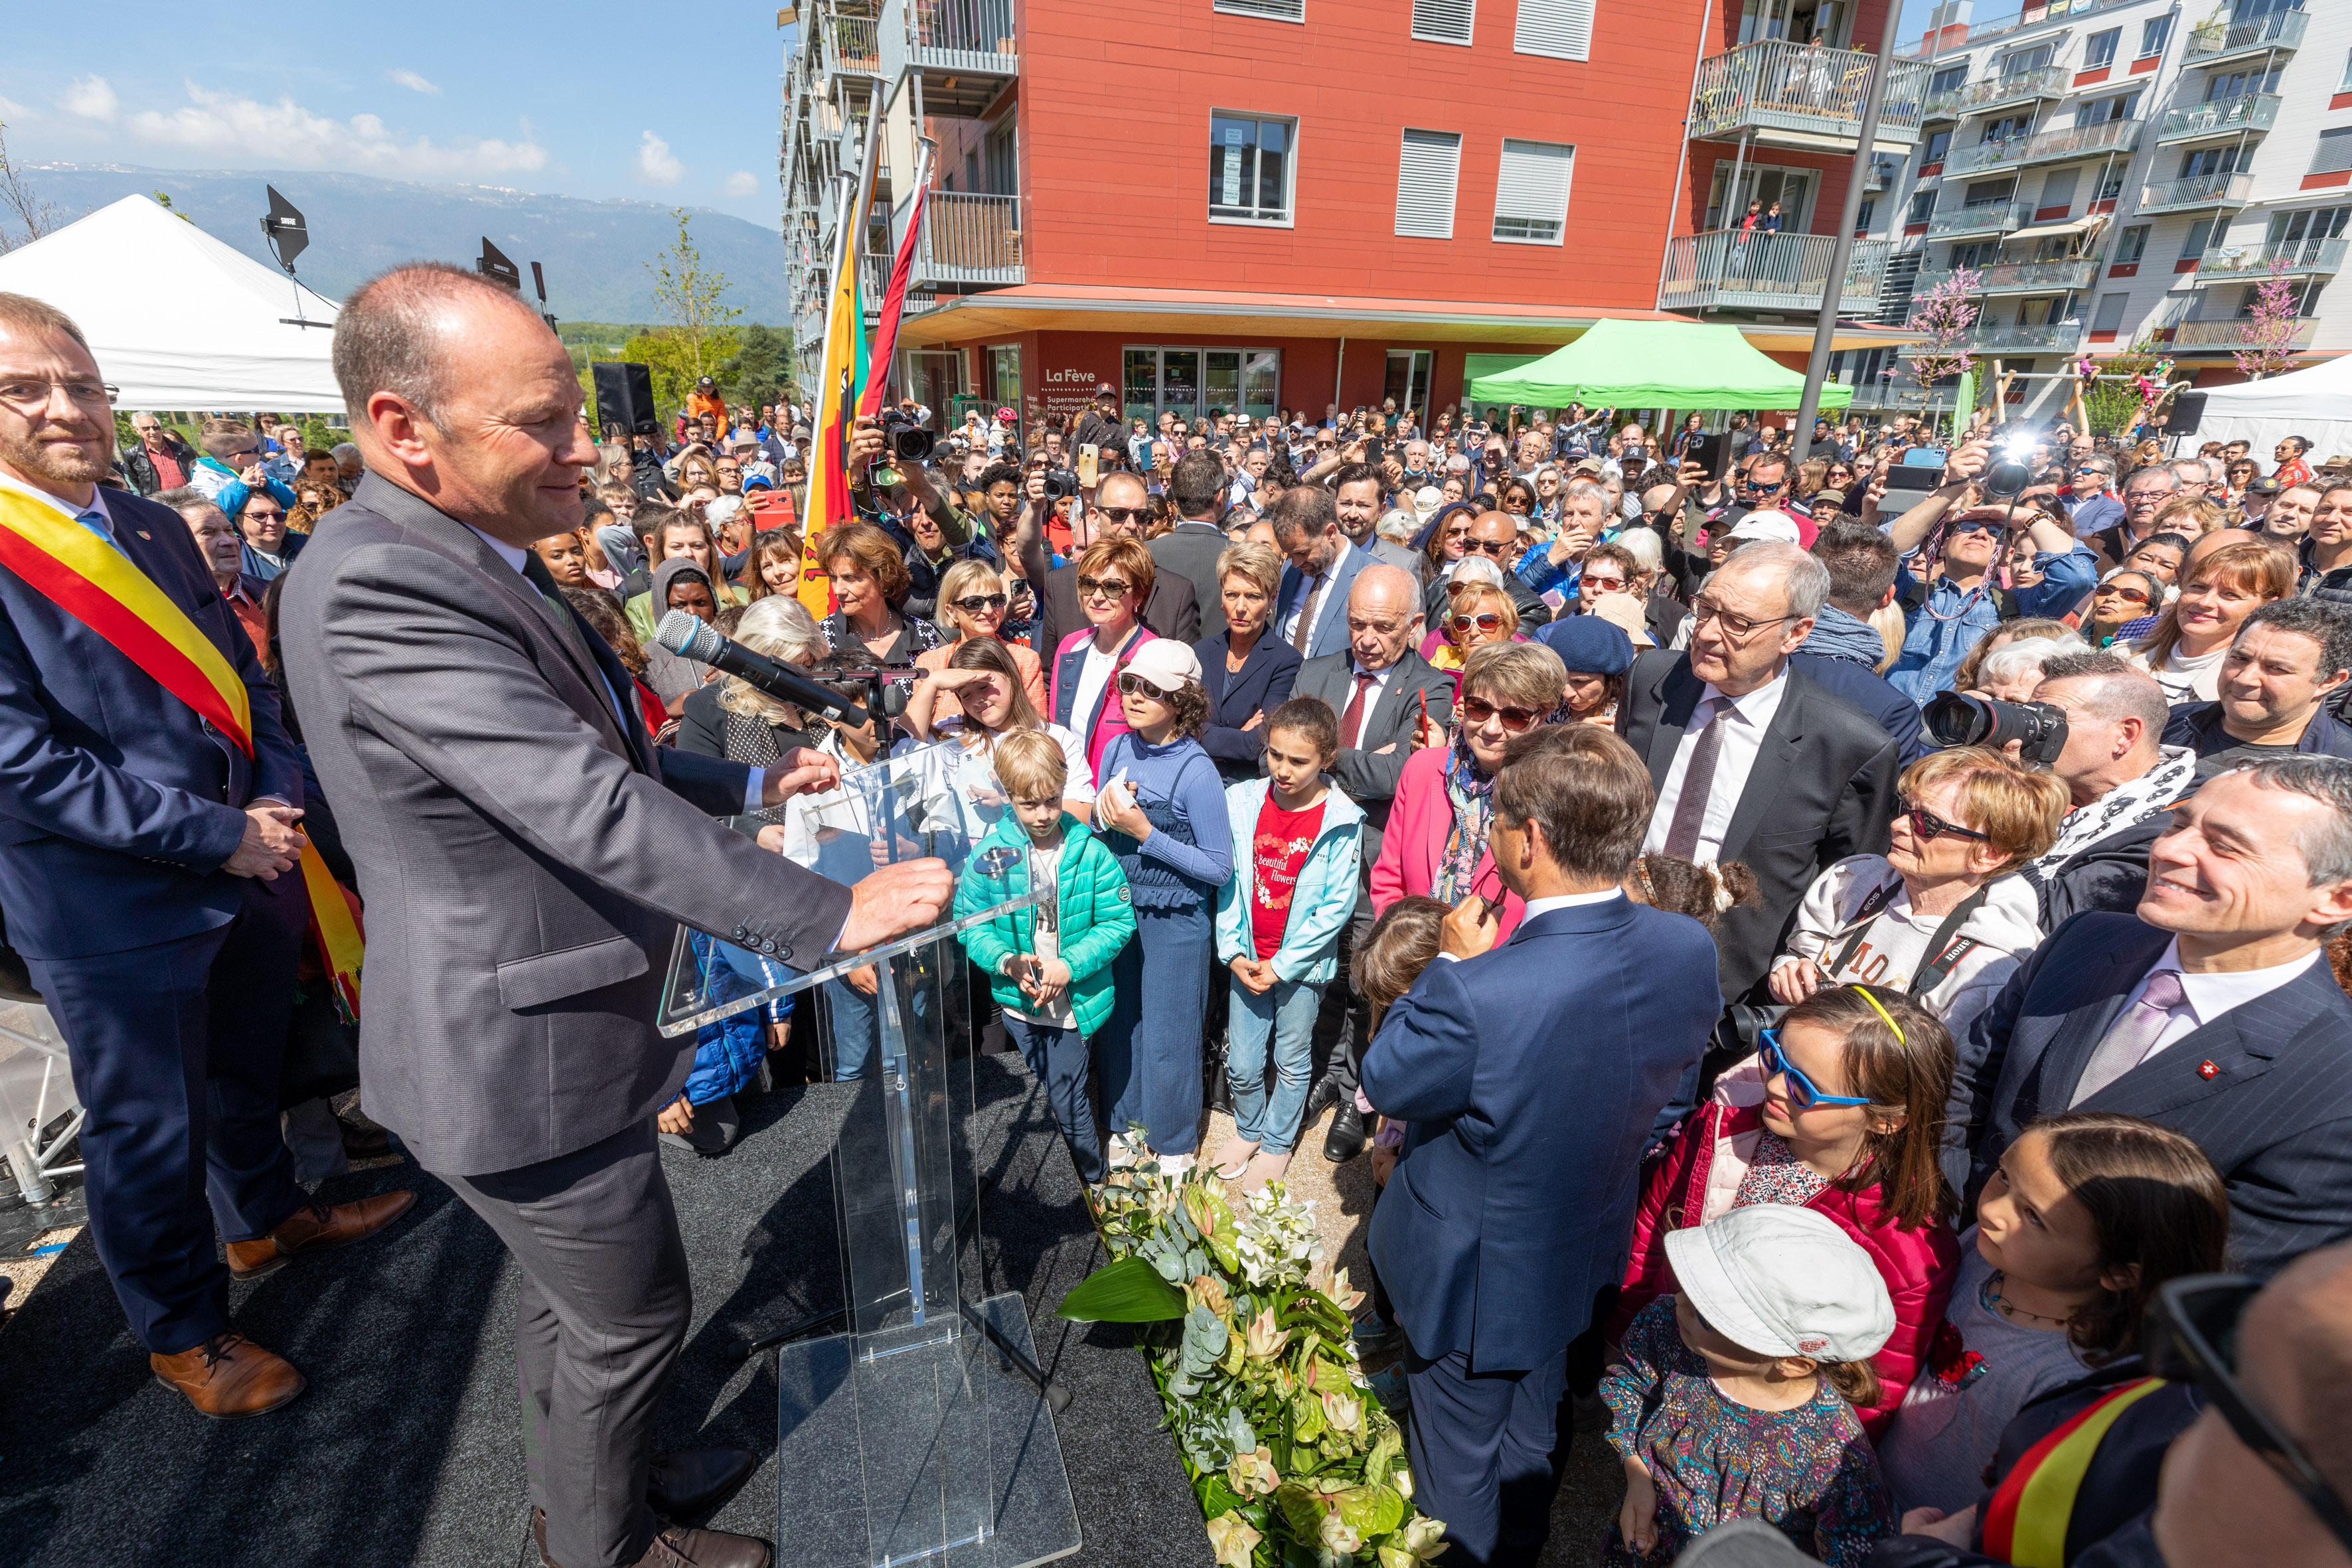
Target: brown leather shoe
{"type": "Point", "coordinates": [228, 1376]}
{"type": "Point", "coordinates": [315, 1227]}
{"type": "Point", "coordinates": [676, 1546]}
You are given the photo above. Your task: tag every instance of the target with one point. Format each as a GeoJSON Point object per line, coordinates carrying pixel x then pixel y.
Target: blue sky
{"type": "Point", "coordinates": [590, 99]}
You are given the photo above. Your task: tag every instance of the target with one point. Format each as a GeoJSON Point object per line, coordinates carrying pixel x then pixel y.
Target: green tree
{"type": "Point", "coordinates": [691, 299]}
{"type": "Point", "coordinates": [760, 373]}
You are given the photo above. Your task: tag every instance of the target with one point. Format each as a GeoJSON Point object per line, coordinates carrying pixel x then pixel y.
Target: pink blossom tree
{"type": "Point", "coordinates": [2270, 324]}
{"type": "Point", "coordinates": [1947, 314]}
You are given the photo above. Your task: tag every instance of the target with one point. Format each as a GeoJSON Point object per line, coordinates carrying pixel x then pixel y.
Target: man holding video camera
{"type": "Point", "coordinates": [1950, 612]}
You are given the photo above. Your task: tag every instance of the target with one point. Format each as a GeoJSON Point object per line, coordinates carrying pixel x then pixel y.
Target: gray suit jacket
{"type": "Point", "coordinates": [526, 853]}
{"type": "Point", "coordinates": [1331, 633]}
{"type": "Point", "coordinates": [1368, 773]}
{"type": "Point", "coordinates": [1190, 551]}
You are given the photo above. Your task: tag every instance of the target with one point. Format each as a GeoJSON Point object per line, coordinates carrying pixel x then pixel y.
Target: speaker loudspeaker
{"type": "Point", "coordinates": [2187, 411]}
{"type": "Point", "coordinates": [625, 398]}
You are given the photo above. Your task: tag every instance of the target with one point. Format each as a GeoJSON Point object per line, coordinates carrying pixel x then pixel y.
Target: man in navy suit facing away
{"type": "Point", "coordinates": [1530, 1076]}
{"type": "Point", "coordinates": [2212, 1009]}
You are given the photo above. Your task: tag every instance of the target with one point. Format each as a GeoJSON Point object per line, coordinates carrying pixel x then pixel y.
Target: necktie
{"type": "Point", "coordinates": [1352, 723]}
{"type": "Point", "coordinates": [567, 624]}
{"type": "Point", "coordinates": [1698, 780]}
{"type": "Point", "coordinates": [1305, 630]}
{"type": "Point", "coordinates": [2133, 1037]}
{"type": "Point", "coordinates": [95, 521]}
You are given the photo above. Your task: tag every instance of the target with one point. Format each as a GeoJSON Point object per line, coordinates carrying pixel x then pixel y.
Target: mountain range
{"type": "Point", "coordinates": [594, 253]}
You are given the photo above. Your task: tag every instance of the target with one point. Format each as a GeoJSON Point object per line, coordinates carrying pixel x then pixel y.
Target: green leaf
{"type": "Point", "coordinates": [1372, 1510]}
{"type": "Point", "coordinates": [1215, 1496]}
{"type": "Point", "coordinates": [1128, 1290]}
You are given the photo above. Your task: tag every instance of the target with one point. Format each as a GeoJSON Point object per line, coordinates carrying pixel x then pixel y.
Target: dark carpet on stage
{"type": "Point", "coordinates": [406, 1447]}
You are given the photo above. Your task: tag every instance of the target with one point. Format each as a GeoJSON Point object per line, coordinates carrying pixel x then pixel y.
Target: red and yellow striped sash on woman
{"type": "Point", "coordinates": [98, 586]}
{"type": "Point", "coordinates": [2025, 1522]}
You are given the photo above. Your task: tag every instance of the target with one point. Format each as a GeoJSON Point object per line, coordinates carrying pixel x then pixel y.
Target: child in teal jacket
{"type": "Point", "coordinates": [1297, 842]}
{"type": "Point", "coordinates": [1049, 964]}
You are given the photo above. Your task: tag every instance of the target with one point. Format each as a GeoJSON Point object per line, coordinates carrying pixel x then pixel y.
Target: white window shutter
{"type": "Point", "coordinates": [1560, 29]}
{"type": "Point", "coordinates": [1531, 192]}
{"type": "Point", "coordinates": [1444, 21]}
{"type": "Point", "coordinates": [1275, 10]}
{"type": "Point", "coordinates": [1427, 172]}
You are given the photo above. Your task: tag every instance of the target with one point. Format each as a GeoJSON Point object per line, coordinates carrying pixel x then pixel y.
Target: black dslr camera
{"type": "Point", "coordinates": [1061, 484]}
{"type": "Point", "coordinates": [907, 441]}
{"type": "Point", "coordinates": [1956, 719]}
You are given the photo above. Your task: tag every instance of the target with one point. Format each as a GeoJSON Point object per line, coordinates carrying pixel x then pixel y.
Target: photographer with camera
{"type": "Point", "coordinates": [1948, 614]}
{"type": "Point", "coordinates": [2288, 659]}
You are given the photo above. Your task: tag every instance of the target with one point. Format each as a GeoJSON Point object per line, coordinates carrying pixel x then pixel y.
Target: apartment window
{"type": "Point", "coordinates": [2223, 85]}
{"type": "Point", "coordinates": [2111, 181]}
{"type": "Point", "coordinates": [1531, 191]}
{"type": "Point", "coordinates": [1939, 143]}
{"type": "Point", "coordinates": [1250, 165]}
{"type": "Point", "coordinates": [1987, 193]}
{"type": "Point", "coordinates": [2131, 245]}
{"type": "Point", "coordinates": [1273, 10]}
{"type": "Point", "coordinates": [2008, 127]}
{"type": "Point", "coordinates": [1923, 208]}
{"type": "Point", "coordinates": [1951, 79]}
{"type": "Point", "coordinates": [2334, 153]}
{"type": "Point", "coordinates": [2025, 60]}
{"type": "Point", "coordinates": [2100, 51]}
{"type": "Point", "coordinates": [1444, 21]}
{"type": "Point", "coordinates": [2100, 110]}
{"type": "Point", "coordinates": [1864, 214]}
{"type": "Point", "coordinates": [2231, 159]}
{"type": "Point", "coordinates": [2200, 233]}
{"type": "Point", "coordinates": [2109, 318]}
{"type": "Point", "coordinates": [1558, 29]}
{"type": "Point", "coordinates": [1975, 253]}
{"type": "Point", "coordinates": [2308, 228]}
{"type": "Point", "coordinates": [1427, 170]}
{"type": "Point", "coordinates": [2345, 85]}
{"type": "Point", "coordinates": [2058, 189]}
{"type": "Point", "coordinates": [2152, 35]}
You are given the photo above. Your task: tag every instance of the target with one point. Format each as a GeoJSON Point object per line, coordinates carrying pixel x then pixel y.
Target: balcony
{"type": "Point", "coordinates": [2222, 117]}
{"type": "Point", "coordinates": [1987, 217]}
{"type": "Point", "coordinates": [1766, 272]}
{"type": "Point", "coordinates": [2047, 147]}
{"type": "Point", "coordinates": [2231, 335]}
{"type": "Point", "coordinates": [2053, 338]}
{"type": "Point", "coordinates": [2302, 258]}
{"type": "Point", "coordinates": [2218, 42]}
{"type": "Point", "coordinates": [874, 286]}
{"type": "Point", "coordinates": [967, 52]}
{"type": "Point", "coordinates": [853, 45]}
{"type": "Point", "coordinates": [2195, 191]}
{"type": "Point", "coordinates": [969, 238]}
{"type": "Point", "coordinates": [2022, 276]}
{"type": "Point", "coordinates": [1793, 95]}
{"type": "Point", "coordinates": [1988, 93]}
{"type": "Point", "coordinates": [1889, 395]}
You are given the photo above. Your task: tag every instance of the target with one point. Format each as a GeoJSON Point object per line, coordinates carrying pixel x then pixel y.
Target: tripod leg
{"type": "Point", "coordinates": [1057, 1398]}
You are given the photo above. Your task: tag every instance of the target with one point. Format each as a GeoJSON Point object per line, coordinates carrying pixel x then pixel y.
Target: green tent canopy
{"type": "Point", "coordinates": [1654, 364]}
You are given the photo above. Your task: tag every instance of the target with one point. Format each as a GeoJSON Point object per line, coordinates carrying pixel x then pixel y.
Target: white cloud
{"type": "Point", "coordinates": [217, 122]}
{"type": "Point", "coordinates": [656, 163]}
{"type": "Point", "coordinates": [11, 111]}
{"type": "Point", "coordinates": [90, 98]}
{"type": "Point", "coordinates": [414, 83]}
{"type": "Point", "coordinates": [741, 185]}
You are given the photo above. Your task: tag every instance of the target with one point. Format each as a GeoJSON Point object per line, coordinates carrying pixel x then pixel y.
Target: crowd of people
{"type": "Point", "coordinates": [1421, 770]}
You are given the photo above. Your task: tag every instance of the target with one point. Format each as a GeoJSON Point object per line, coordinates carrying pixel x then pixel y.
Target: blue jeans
{"type": "Point", "coordinates": [856, 1028]}
{"type": "Point", "coordinates": [1060, 1059]}
{"type": "Point", "coordinates": [1268, 1105]}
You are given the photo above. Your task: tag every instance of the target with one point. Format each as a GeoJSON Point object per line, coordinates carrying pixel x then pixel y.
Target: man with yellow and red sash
{"type": "Point", "coordinates": [154, 875]}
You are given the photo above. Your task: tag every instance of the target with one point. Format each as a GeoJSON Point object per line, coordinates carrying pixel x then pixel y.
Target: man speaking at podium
{"type": "Point", "coordinates": [526, 855]}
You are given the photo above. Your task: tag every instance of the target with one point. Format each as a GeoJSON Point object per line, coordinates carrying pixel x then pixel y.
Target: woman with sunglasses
{"type": "Point", "coordinates": [1114, 583]}
{"type": "Point", "coordinates": [2125, 594]}
{"type": "Point", "coordinates": [972, 600]}
{"type": "Point", "coordinates": [1435, 843]}
{"type": "Point", "coordinates": [1840, 1112]}
{"type": "Point", "coordinates": [1478, 613]}
{"type": "Point", "coordinates": [1161, 810]}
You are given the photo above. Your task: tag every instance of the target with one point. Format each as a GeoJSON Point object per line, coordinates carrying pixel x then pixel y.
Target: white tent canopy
{"type": "Point", "coordinates": [2314, 404]}
{"type": "Point", "coordinates": [178, 320]}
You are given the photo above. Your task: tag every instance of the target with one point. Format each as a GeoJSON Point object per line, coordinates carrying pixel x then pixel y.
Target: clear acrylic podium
{"type": "Point", "coordinates": [921, 1433]}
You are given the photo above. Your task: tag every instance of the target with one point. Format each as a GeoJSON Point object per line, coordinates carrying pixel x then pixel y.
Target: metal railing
{"type": "Point", "coordinates": [1939, 41]}
{"type": "Point", "coordinates": [1779, 86]}
{"type": "Point", "coordinates": [856, 45]}
{"type": "Point", "coordinates": [1987, 217]}
{"type": "Point", "coordinates": [2053, 337]}
{"type": "Point", "coordinates": [968, 35]}
{"type": "Point", "coordinates": [2234, 335]}
{"type": "Point", "coordinates": [2222, 117]}
{"type": "Point", "coordinates": [1993, 91]}
{"type": "Point", "coordinates": [2303, 258]}
{"type": "Point", "coordinates": [2196, 190]}
{"type": "Point", "coordinates": [2020, 277]}
{"type": "Point", "coordinates": [2218, 40]}
{"type": "Point", "coordinates": [1766, 271]}
{"type": "Point", "coordinates": [2048, 146]}
{"type": "Point", "coordinates": [969, 238]}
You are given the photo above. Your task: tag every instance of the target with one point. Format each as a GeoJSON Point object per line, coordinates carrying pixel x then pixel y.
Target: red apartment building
{"type": "Point", "coordinates": [1265, 203]}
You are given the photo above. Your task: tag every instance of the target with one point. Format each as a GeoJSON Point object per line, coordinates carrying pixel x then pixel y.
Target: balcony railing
{"type": "Point", "coordinates": [970, 238]}
{"type": "Point", "coordinates": [2234, 335]}
{"type": "Point", "coordinates": [2303, 259]}
{"type": "Point", "coordinates": [1988, 94]}
{"type": "Point", "coordinates": [1777, 86]}
{"type": "Point", "coordinates": [2048, 147]}
{"type": "Point", "coordinates": [2053, 338]}
{"type": "Point", "coordinates": [2020, 277]}
{"type": "Point", "coordinates": [2196, 190]}
{"type": "Point", "coordinates": [2217, 41]}
{"type": "Point", "coordinates": [856, 46]}
{"type": "Point", "coordinates": [1766, 271]}
{"type": "Point", "coordinates": [965, 34]}
{"type": "Point", "coordinates": [1989, 217]}
{"type": "Point", "coordinates": [874, 286]}
{"type": "Point", "coordinates": [2222, 117]}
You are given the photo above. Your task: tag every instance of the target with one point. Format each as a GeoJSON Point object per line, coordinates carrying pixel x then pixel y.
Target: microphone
{"type": "Point", "coordinates": [688, 637]}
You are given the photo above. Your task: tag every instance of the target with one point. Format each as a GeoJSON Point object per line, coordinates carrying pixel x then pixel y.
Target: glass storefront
{"type": "Point", "coordinates": [1194, 384]}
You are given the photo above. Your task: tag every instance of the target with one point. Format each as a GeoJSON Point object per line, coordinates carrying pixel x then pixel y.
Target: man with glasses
{"type": "Point", "coordinates": [1496, 536]}
{"type": "Point", "coordinates": [161, 461]}
{"type": "Point", "coordinates": [1121, 505]}
{"type": "Point", "coordinates": [1762, 483]}
{"type": "Point", "coordinates": [2090, 505]}
{"type": "Point", "coordinates": [2211, 1009]}
{"type": "Point", "coordinates": [1753, 760]}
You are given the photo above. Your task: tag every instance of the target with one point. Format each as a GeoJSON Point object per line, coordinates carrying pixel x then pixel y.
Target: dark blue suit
{"type": "Point", "coordinates": [1261, 685]}
{"type": "Point", "coordinates": [171, 980]}
{"type": "Point", "coordinates": [1530, 1076]}
{"type": "Point", "coordinates": [2275, 1116]}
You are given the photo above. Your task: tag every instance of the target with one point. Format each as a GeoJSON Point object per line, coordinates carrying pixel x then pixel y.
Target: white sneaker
{"type": "Point", "coordinates": [1175, 1164]}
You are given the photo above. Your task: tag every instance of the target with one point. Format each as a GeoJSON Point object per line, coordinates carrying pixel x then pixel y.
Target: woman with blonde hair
{"type": "Point", "coordinates": [870, 582]}
{"type": "Point", "coordinates": [1246, 673]}
{"type": "Point", "coordinates": [972, 600]}
{"type": "Point", "coordinates": [2194, 633]}
{"type": "Point", "coordinates": [1480, 615]}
